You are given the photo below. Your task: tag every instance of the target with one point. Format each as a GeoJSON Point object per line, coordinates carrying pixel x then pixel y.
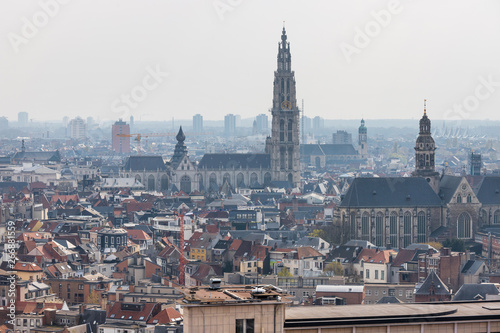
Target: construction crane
{"type": "Point", "coordinates": [138, 136]}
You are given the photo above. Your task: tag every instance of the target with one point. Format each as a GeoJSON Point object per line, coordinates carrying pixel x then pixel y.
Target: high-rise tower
{"type": "Point", "coordinates": [283, 145]}
{"type": "Point", "coordinates": [363, 140]}
{"type": "Point", "coordinates": [424, 152]}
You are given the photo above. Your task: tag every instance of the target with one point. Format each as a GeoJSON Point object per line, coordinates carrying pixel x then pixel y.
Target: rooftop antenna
{"type": "Point", "coordinates": [425, 107]}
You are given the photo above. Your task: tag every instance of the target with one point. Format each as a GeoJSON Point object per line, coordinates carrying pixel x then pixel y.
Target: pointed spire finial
{"type": "Point", "coordinates": [425, 107]}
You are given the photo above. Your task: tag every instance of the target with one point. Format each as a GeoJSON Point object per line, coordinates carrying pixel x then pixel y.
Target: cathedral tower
{"type": "Point", "coordinates": [283, 145]}
{"type": "Point", "coordinates": [363, 140]}
{"type": "Point", "coordinates": [424, 153]}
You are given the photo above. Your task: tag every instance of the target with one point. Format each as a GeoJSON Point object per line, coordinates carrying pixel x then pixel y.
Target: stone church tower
{"type": "Point", "coordinates": [424, 153]}
{"type": "Point", "coordinates": [283, 145]}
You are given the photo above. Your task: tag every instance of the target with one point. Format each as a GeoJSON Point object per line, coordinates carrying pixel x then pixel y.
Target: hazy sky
{"type": "Point", "coordinates": [83, 57]}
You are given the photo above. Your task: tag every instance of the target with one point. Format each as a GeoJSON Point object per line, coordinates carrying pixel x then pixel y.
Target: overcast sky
{"type": "Point", "coordinates": [86, 55]}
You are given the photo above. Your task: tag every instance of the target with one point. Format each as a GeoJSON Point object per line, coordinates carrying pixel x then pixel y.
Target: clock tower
{"type": "Point", "coordinates": [284, 145]}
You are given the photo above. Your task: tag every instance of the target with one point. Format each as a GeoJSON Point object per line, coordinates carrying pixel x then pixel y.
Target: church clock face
{"type": "Point", "coordinates": [286, 105]}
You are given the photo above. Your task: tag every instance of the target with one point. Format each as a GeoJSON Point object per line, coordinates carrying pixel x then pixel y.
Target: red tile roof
{"type": "Point", "coordinates": [144, 314]}
{"type": "Point", "coordinates": [166, 316]}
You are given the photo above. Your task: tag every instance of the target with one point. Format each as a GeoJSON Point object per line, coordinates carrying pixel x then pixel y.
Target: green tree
{"type": "Point", "coordinates": [93, 297]}
{"type": "Point", "coordinates": [455, 244]}
{"type": "Point", "coordinates": [285, 272]}
{"type": "Point", "coordinates": [334, 269]}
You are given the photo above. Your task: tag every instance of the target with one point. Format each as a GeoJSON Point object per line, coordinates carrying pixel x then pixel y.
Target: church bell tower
{"type": "Point", "coordinates": [425, 153]}
{"type": "Point", "coordinates": [284, 145]}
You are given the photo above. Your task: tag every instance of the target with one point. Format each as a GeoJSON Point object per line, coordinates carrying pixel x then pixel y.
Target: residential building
{"type": "Point", "coordinates": [120, 144]}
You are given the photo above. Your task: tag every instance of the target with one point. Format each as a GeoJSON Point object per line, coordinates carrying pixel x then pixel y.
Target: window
{"type": "Point", "coordinates": [376, 292]}
{"type": "Point", "coordinates": [80, 287]}
{"type": "Point", "coordinates": [376, 274]}
{"type": "Point", "coordinates": [496, 216]}
{"type": "Point", "coordinates": [459, 198]}
{"type": "Point", "coordinates": [400, 293]}
{"type": "Point", "coordinates": [464, 226]}
{"type": "Point", "coordinates": [392, 292]}
{"type": "Point", "coordinates": [305, 293]}
{"type": "Point", "coordinates": [245, 325]}
{"type": "Point", "coordinates": [382, 275]}
{"type": "Point", "coordinates": [407, 229]}
{"type": "Point", "coordinates": [469, 198]}
{"type": "Point", "coordinates": [393, 229]}
{"type": "Point", "coordinates": [365, 226]}
{"type": "Point", "coordinates": [421, 227]}
{"type": "Point", "coordinates": [409, 294]}
{"type": "Point", "coordinates": [379, 229]}
{"type": "Point", "coordinates": [368, 292]}
{"type": "Point", "coordinates": [367, 274]}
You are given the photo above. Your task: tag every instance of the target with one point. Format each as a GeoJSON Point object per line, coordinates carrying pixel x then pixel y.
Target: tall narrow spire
{"type": "Point", "coordinates": [425, 107]}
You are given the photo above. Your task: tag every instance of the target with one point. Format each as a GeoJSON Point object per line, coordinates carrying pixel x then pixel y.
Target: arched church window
{"type": "Point", "coordinates": [290, 130]}
{"type": "Point", "coordinates": [421, 227]}
{"type": "Point", "coordinates": [393, 229]}
{"type": "Point", "coordinates": [282, 130]}
{"type": "Point", "coordinates": [151, 183]}
{"type": "Point", "coordinates": [464, 226]}
{"type": "Point", "coordinates": [496, 217]}
{"type": "Point", "coordinates": [407, 229]}
{"type": "Point", "coordinates": [469, 198]}
{"type": "Point", "coordinates": [267, 178]}
{"type": "Point", "coordinates": [226, 178]}
{"type": "Point", "coordinates": [459, 198]}
{"type": "Point", "coordinates": [254, 179]}
{"type": "Point", "coordinates": [186, 184]}
{"type": "Point", "coordinates": [365, 226]}
{"type": "Point", "coordinates": [379, 229]}
{"type": "Point", "coordinates": [240, 180]}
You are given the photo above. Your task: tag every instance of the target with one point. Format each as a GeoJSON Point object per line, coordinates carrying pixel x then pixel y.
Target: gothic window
{"type": "Point", "coordinates": [186, 184]}
{"type": "Point", "coordinates": [407, 229]}
{"type": "Point", "coordinates": [240, 180]}
{"type": "Point", "coordinates": [421, 227]}
{"type": "Point", "coordinates": [393, 229]}
{"type": "Point", "coordinates": [469, 198]}
{"type": "Point", "coordinates": [138, 178]}
{"type": "Point", "coordinates": [282, 130]}
{"type": "Point", "coordinates": [317, 161]}
{"type": "Point", "coordinates": [267, 178]}
{"type": "Point", "coordinates": [151, 183]}
{"type": "Point", "coordinates": [464, 226]}
{"type": "Point", "coordinates": [496, 217]}
{"type": "Point", "coordinates": [164, 182]}
{"type": "Point", "coordinates": [213, 180]}
{"type": "Point", "coordinates": [254, 180]}
{"type": "Point", "coordinates": [379, 229]}
{"type": "Point", "coordinates": [290, 159]}
{"type": "Point", "coordinates": [290, 178]}
{"type": "Point", "coordinates": [365, 226]}
{"type": "Point", "coordinates": [290, 130]}
{"type": "Point", "coordinates": [282, 159]}
{"type": "Point", "coordinates": [353, 226]}
{"type": "Point", "coordinates": [459, 198]}
{"type": "Point", "coordinates": [226, 178]}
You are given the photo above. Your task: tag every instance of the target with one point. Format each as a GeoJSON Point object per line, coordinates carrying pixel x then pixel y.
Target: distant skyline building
{"type": "Point", "coordinates": [262, 123]}
{"type": "Point", "coordinates": [230, 124]}
{"type": "Point", "coordinates": [4, 123]}
{"type": "Point", "coordinates": [475, 164]}
{"type": "Point", "coordinates": [77, 129]}
{"type": "Point", "coordinates": [341, 138]}
{"type": "Point", "coordinates": [121, 145]}
{"type": "Point", "coordinates": [131, 122]}
{"type": "Point", "coordinates": [318, 123]}
{"type": "Point", "coordinates": [198, 123]}
{"type": "Point", "coordinates": [22, 118]}
{"type": "Point", "coordinates": [363, 140]}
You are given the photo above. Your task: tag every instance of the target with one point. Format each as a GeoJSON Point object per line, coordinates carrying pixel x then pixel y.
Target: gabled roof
{"type": "Point", "coordinates": [138, 235]}
{"type": "Point", "coordinates": [390, 192]}
{"type": "Point", "coordinates": [471, 266]}
{"type": "Point", "coordinates": [432, 281]}
{"type": "Point", "coordinates": [308, 252]}
{"type": "Point", "coordinates": [382, 257]}
{"type": "Point", "coordinates": [448, 186]}
{"type": "Point", "coordinates": [144, 314]}
{"type": "Point", "coordinates": [389, 300]}
{"type": "Point", "coordinates": [148, 163]}
{"type": "Point", "coordinates": [404, 256]}
{"type": "Point", "coordinates": [236, 161]}
{"type": "Point", "coordinates": [27, 267]}
{"type": "Point", "coordinates": [475, 292]}
{"type": "Point", "coordinates": [166, 316]}
{"type": "Point", "coordinates": [489, 191]}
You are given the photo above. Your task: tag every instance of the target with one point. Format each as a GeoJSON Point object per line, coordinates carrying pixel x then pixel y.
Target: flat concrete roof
{"type": "Point", "coordinates": [306, 316]}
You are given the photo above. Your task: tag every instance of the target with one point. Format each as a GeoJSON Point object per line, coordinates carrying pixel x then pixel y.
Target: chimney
{"type": "Point", "coordinates": [49, 316]}
{"type": "Point", "coordinates": [445, 251]}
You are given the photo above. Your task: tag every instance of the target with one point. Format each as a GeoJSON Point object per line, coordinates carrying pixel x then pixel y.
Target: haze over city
{"type": "Point", "coordinates": [376, 60]}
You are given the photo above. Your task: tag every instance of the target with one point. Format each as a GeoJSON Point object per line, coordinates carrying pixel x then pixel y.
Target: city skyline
{"type": "Point", "coordinates": [195, 58]}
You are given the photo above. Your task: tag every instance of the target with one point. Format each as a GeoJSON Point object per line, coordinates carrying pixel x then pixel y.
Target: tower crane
{"type": "Point", "coordinates": [138, 136]}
